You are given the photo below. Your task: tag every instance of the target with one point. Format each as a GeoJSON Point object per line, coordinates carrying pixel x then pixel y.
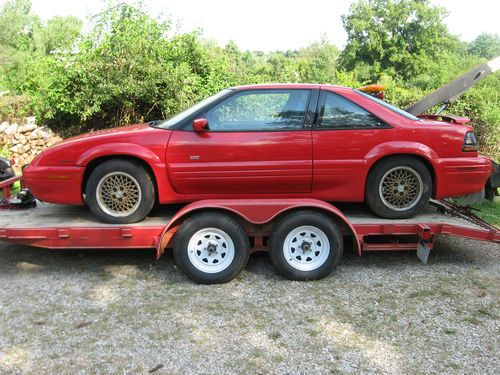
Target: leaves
{"type": "Point", "coordinates": [132, 67]}
{"type": "Point", "coordinates": [395, 36]}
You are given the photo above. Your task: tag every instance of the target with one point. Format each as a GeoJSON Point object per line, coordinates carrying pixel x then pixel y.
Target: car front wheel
{"type": "Point", "coordinates": [120, 192]}
{"type": "Point", "coordinates": [398, 188]}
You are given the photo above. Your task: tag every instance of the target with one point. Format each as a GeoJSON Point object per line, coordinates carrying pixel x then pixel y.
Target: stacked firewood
{"type": "Point", "coordinates": [24, 141]}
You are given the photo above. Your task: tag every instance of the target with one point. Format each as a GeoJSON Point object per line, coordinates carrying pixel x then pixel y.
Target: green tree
{"type": "Point", "coordinates": [16, 38]}
{"type": "Point", "coordinates": [16, 27]}
{"type": "Point", "coordinates": [127, 69]}
{"type": "Point", "coordinates": [395, 36]}
{"type": "Point", "coordinates": [486, 45]}
{"type": "Point", "coordinates": [25, 38]}
{"type": "Point", "coordinates": [317, 63]}
{"type": "Point", "coordinates": [59, 33]}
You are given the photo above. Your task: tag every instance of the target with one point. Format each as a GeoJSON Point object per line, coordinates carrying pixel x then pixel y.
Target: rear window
{"type": "Point", "coordinates": [397, 110]}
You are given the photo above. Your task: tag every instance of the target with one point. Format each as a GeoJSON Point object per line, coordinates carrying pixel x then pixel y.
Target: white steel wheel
{"type": "Point", "coordinates": [306, 248]}
{"type": "Point", "coordinates": [401, 188]}
{"type": "Point", "coordinates": [211, 247]}
{"type": "Point", "coordinates": [118, 194]}
{"type": "Point", "coordinates": [305, 245]}
{"type": "Point", "coordinates": [211, 250]}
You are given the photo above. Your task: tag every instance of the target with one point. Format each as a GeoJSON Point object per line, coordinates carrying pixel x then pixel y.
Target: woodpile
{"type": "Point", "coordinates": [23, 142]}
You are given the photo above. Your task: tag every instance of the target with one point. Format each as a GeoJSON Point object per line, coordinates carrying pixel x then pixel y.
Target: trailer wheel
{"type": "Point", "coordinates": [305, 245]}
{"type": "Point", "coordinates": [211, 248]}
{"type": "Point", "coordinates": [120, 192]}
{"type": "Point", "coordinates": [398, 188]}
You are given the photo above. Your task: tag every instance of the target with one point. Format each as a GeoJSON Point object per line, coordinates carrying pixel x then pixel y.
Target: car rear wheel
{"type": "Point", "coordinates": [211, 248]}
{"type": "Point", "coordinates": [120, 192]}
{"type": "Point", "coordinates": [305, 245]}
{"type": "Point", "coordinates": [398, 188]}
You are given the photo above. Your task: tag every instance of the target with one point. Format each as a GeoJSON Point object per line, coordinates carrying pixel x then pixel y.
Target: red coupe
{"type": "Point", "coordinates": [288, 140]}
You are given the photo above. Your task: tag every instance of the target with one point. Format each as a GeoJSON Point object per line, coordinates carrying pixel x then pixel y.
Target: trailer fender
{"type": "Point", "coordinates": [254, 211]}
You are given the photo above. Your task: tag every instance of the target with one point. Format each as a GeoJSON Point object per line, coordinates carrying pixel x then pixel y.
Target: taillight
{"type": "Point", "coordinates": [470, 142]}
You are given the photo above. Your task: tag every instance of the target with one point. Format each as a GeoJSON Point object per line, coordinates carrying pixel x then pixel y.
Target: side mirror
{"type": "Point", "coordinates": [200, 125]}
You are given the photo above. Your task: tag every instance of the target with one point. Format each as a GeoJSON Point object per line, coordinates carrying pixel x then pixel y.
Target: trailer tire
{"type": "Point", "coordinates": [305, 245]}
{"type": "Point", "coordinates": [130, 181]}
{"type": "Point", "coordinates": [211, 248]}
{"type": "Point", "coordinates": [398, 188]}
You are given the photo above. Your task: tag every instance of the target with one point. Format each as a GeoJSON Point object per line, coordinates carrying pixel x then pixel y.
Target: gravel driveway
{"type": "Point", "coordinates": [121, 312]}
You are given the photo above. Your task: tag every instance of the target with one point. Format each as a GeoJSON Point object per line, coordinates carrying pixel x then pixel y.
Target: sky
{"type": "Point", "coordinates": [268, 25]}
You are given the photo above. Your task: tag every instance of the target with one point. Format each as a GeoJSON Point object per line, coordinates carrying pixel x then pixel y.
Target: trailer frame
{"type": "Point", "coordinates": [69, 227]}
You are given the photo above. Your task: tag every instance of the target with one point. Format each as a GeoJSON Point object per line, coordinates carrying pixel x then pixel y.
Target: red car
{"type": "Point", "coordinates": [288, 140]}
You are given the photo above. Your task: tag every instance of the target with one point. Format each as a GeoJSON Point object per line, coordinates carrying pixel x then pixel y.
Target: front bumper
{"type": "Point", "coordinates": [460, 176]}
{"type": "Point", "coordinates": [62, 185]}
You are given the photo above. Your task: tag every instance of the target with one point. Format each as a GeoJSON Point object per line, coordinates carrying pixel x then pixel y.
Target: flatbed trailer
{"type": "Point", "coordinates": [69, 227]}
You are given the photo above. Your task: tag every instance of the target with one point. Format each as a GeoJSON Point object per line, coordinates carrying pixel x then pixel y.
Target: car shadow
{"type": "Point", "coordinates": [15, 259]}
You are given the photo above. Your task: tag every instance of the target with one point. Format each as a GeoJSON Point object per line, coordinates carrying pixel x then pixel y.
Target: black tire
{"type": "Point", "coordinates": [490, 193]}
{"type": "Point", "coordinates": [422, 179]}
{"type": "Point", "coordinates": [143, 183]}
{"type": "Point", "coordinates": [196, 262]}
{"type": "Point", "coordinates": [326, 262]}
{"type": "Point", "coordinates": [6, 174]}
{"type": "Point", "coordinates": [9, 172]}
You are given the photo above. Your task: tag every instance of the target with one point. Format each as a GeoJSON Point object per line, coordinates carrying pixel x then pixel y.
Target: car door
{"type": "Point", "coordinates": [256, 143]}
{"type": "Point", "coordinates": [343, 134]}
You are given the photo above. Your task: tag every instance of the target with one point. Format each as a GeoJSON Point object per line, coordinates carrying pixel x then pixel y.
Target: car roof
{"type": "Point", "coordinates": [293, 86]}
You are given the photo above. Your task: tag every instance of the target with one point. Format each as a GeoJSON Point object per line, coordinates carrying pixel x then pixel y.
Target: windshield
{"type": "Point", "coordinates": [389, 106]}
{"type": "Point", "coordinates": [188, 112]}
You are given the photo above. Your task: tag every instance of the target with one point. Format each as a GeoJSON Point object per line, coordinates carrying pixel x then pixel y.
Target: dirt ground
{"type": "Point", "coordinates": [122, 312]}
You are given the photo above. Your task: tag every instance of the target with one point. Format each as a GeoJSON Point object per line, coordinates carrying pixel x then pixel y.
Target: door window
{"type": "Point", "coordinates": [339, 113]}
{"type": "Point", "coordinates": [260, 110]}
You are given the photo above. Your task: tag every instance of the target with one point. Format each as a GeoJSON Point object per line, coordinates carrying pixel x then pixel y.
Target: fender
{"type": "Point", "coordinates": [400, 147]}
{"type": "Point", "coordinates": [254, 211]}
{"type": "Point", "coordinates": [130, 149]}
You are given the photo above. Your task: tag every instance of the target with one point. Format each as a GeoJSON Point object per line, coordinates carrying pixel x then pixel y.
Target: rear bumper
{"type": "Point", "coordinates": [460, 176]}
{"type": "Point", "coordinates": [60, 185]}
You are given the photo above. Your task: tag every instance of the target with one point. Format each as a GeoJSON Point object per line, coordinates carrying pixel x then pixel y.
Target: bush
{"type": "Point", "coordinates": [125, 71]}
{"type": "Point", "coordinates": [4, 152]}
{"type": "Point", "coordinates": [482, 105]}
{"type": "Point", "coordinates": [132, 68]}
{"type": "Point", "coordinates": [14, 107]}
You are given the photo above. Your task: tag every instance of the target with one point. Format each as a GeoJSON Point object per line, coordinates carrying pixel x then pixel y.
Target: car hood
{"type": "Point", "coordinates": [135, 140]}
{"type": "Point", "coordinates": [114, 132]}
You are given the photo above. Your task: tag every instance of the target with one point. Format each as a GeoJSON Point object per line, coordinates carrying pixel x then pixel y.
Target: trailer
{"type": "Point", "coordinates": [212, 239]}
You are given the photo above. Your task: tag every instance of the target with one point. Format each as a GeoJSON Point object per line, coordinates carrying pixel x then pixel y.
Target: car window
{"type": "Point", "coordinates": [178, 118]}
{"type": "Point", "coordinates": [339, 113]}
{"type": "Point", "coordinates": [389, 106]}
{"type": "Point", "coordinates": [260, 110]}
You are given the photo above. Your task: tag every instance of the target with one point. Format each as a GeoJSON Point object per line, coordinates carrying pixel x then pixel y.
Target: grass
{"type": "Point", "coordinates": [490, 211]}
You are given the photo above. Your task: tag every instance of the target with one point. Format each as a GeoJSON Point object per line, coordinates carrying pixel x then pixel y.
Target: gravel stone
{"type": "Point", "coordinates": [123, 312]}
